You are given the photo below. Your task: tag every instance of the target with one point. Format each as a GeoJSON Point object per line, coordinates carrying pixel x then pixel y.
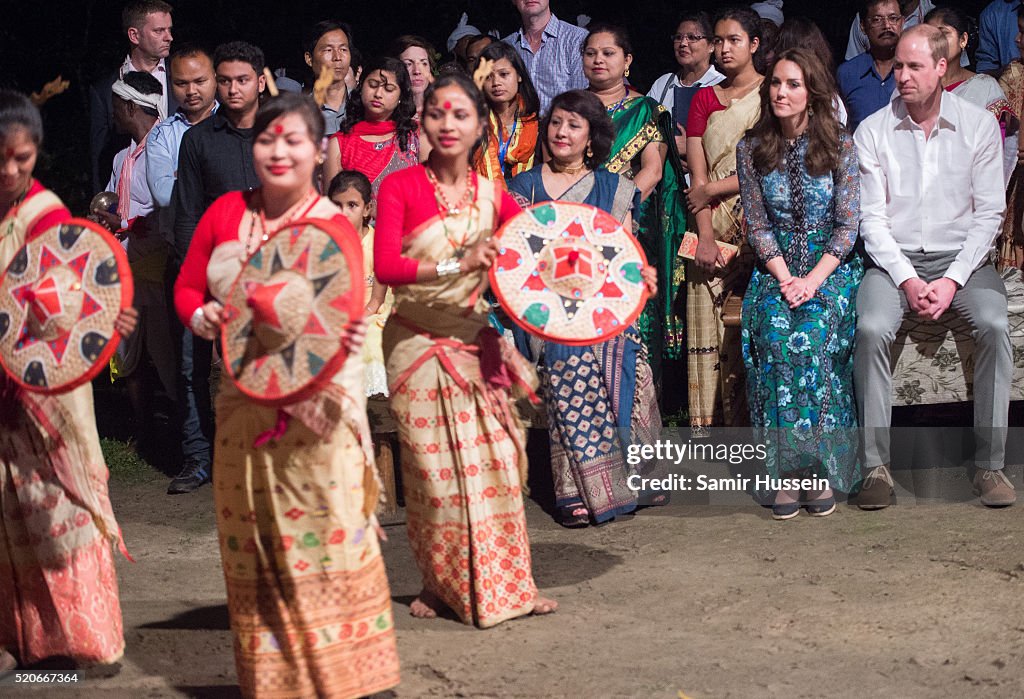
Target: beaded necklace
{"type": "Point", "coordinates": [468, 194]}
{"type": "Point", "coordinates": [445, 210]}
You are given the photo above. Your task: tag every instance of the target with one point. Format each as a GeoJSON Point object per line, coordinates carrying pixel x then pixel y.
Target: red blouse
{"type": "Point", "coordinates": [704, 104]}
{"type": "Point", "coordinates": [405, 202]}
{"type": "Point", "coordinates": [48, 220]}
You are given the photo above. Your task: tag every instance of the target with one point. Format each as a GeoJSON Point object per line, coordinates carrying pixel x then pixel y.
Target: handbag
{"type": "Point", "coordinates": [732, 310]}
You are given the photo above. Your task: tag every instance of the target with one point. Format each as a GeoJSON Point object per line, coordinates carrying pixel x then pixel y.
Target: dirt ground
{"type": "Point", "coordinates": [920, 600]}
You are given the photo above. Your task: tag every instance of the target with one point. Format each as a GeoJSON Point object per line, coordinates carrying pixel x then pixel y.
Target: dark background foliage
{"type": "Point", "coordinates": [80, 39]}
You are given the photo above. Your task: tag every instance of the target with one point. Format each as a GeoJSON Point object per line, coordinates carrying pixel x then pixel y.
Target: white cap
{"type": "Point", "coordinates": [461, 31]}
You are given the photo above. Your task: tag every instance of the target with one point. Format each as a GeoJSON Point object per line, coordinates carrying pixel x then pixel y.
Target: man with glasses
{"type": "Point", "coordinates": [913, 12]}
{"type": "Point", "coordinates": [866, 81]}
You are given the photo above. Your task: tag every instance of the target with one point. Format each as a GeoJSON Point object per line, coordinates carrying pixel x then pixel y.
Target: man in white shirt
{"type": "Point", "coordinates": [135, 100]}
{"type": "Point", "coordinates": [932, 204]}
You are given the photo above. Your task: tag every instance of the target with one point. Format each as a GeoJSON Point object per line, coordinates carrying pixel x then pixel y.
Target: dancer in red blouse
{"type": "Point", "coordinates": [452, 378]}
{"type": "Point", "coordinates": [58, 586]}
{"type": "Point", "coordinates": [311, 619]}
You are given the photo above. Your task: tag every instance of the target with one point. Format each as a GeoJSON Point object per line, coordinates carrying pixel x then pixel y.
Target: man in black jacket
{"type": "Point", "coordinates": [215, 158]}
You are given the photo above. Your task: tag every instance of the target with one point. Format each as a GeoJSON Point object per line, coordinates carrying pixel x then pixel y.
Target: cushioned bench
{"type": "Point", "coordinates": [934, 360]}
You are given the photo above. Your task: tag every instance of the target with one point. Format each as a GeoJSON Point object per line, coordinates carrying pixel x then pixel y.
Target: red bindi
{"type": "Point", "coordinates": [9, 153]}
{"type": "Point", "coordinates": [278, 129]}
{"type": "Point", "coordinates": [447, 105]}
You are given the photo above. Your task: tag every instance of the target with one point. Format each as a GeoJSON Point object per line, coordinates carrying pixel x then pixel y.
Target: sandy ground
{"type": "Point", "coordinates": [920, 600]}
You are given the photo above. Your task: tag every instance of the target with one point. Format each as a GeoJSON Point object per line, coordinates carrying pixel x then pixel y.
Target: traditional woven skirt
{"type": "Point", "coordinates": [58, 585]}
{"type": "Point", "coordinates": [461, 458]}
{"type": "Point", "coordinates": [307, 593]}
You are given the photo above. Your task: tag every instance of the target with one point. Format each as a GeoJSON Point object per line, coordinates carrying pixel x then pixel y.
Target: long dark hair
{"type": "Point", "coordinates": [466, 84]}
{"type": "Point", "coordinates": [404, 115]}
{"type": "Point", "coordinates": [823, 127]}
{"type": "Point", "coordinates": [499, 50]}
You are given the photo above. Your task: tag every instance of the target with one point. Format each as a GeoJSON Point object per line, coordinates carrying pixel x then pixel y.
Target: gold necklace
{"type": "Point", "coordinates": [567, 169]}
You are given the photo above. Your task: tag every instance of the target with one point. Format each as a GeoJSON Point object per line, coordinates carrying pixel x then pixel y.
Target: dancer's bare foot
{"type": "Point", "coordinates": [7, 663]}
{"type": "Point", "coordinates": [543, 605]}
{"type": "Point", "coordinates": [426, 606]}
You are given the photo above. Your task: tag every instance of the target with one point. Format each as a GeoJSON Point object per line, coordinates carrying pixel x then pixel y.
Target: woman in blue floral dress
{"type": "Point", "coordinates": [800, 189]}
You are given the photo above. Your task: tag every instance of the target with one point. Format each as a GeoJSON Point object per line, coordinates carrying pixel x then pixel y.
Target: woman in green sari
{"type": "Point", "coordinates": [643, 132]}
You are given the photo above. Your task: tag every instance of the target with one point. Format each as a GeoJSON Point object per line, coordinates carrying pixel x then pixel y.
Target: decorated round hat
{"type": "Point", "coordinates": [288, 309]}
{"type": "Point", "coordinates": [59, 298]}
{"type": "Point", "coordinates": [569, 273]}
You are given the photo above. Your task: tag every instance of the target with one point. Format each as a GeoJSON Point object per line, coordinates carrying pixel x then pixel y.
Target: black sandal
{"type": "Point", "coordinates": [574, 516]}
{"type": "Point", "coordinates": [653, 498]}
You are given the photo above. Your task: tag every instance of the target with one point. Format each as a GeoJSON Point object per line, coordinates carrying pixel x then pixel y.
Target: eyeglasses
{"type": "Point", "coordinates": [879, 20]}
{"type": "Point", "coordinates": [687, 38]}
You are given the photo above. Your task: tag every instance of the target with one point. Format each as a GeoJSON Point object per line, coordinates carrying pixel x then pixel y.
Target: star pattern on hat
{"type": "Point", "coordinates": [574, 256]}
{"type": "Point", "coordinates": [44, 300]}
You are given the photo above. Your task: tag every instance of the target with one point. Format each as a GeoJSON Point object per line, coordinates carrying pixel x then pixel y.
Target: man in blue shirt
{"type": "Point", "coordinates": [866, 82]}
{"type": "Point", "coordinates": [997, 32]}
{"type": "Point", "coordinates": [551, 50]}
{"type": "Point", "coordinates": [194, 86]}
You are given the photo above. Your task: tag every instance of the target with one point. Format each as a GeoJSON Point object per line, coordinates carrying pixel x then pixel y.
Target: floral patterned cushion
{"type": "Point", "coordinates": [934, 360]}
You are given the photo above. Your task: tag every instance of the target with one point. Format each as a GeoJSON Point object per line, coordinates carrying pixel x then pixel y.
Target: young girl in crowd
{"type": "Point", "coordinates": [350, 192]}
{"type": "Point", "coordinates": [719, 117]}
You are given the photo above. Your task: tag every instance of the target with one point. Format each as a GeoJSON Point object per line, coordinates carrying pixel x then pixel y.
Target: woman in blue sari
{"type": "Point", "coordinates": [613, 378]}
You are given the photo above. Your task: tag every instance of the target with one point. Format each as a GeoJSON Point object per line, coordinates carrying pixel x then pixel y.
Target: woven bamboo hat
{"type": "Point", "coordinates": [569, 273]}
{"type": "Point", "coordinates": [288, 309]}
{"type": "Point", "coordinates": [59, 298]}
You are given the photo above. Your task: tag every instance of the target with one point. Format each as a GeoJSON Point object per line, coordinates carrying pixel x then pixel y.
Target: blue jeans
{"type": "Point", "coordinates": [194, 398]}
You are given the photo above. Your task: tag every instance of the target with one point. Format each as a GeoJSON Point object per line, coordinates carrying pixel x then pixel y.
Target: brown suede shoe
{"type": "Point", "coordinates": [876, 490]}
{"type": "Point", "coordinates": [994, 487]}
